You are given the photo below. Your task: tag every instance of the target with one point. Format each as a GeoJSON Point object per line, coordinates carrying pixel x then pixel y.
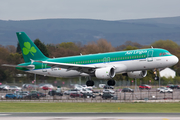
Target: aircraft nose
{"type": "Point", "coordinates": [175, 59]}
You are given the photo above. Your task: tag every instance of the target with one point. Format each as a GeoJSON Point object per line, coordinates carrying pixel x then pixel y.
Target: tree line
{"type": "Point", "coordinates": [12, 55]}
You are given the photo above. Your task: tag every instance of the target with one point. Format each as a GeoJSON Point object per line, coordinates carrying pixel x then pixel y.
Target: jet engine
{"type": "Point", "coordinates": [137, 74]}
{"type": "Point", "coordinates": [105, 73]}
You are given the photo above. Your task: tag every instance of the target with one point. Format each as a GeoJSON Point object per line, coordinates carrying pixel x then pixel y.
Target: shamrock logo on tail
{"type": "Point", "coordinates": [27, 48]}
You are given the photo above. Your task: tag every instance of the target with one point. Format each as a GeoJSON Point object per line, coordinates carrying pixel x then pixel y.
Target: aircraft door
{"type": "Point", "coordinates": [150, 56]}
{"type": "Point", "coordinates": [106, 59]}
{"type": "Point", "coordinates": [44, 67]}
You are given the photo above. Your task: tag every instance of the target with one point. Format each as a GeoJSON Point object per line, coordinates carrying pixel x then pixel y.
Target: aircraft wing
{"type": "Point", "coordinates": [67, 65]}
{"type": "Point", "coordinates": [28, 67]}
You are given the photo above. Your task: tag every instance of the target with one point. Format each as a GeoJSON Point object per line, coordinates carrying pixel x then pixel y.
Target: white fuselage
{"type": "Point", "coordinates": [131, 65]}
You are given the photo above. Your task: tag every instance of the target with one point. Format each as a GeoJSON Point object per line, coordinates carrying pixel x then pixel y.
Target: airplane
{"type": "Point", "coordinates": [134, 63]}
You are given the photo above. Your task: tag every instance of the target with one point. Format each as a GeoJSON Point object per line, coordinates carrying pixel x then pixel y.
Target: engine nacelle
{"type": "Point", "coordinates": [137, 74]}
{"type": "Point", "coordinates": [105, 73]}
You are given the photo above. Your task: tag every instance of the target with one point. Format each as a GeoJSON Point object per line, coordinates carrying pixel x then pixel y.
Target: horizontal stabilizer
{"type": "Point", "coordinates": [28, 67]}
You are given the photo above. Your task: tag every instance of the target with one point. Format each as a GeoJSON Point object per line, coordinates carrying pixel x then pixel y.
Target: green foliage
{"type": "Point", "coordinates": [63, 49]}
{"type": "Point", "coordinates": [119, 77]}
{"type": "Point", "coordinates": [177, 80]}
{"type": "Point", "coordinates": [165, 44]}
{"type": "Point", "coordinates": [130, 48]}
{"type": "Point", "coordinates": [3, 75]}
{"type": "Point", "coordinates": [68, 45]}
{"type": "Point", "coordinates": [3, 54]}
{"type": "Point", "coordinates": [42, 47]}
{"type": "Point", "coordinates": [14, 58]}
{"type": "Point", "coordinates": [169, 45]}
{"type": "Point", "coordinates": [100, 47]}
{"type": "Point", "coordinates": [18, 50]}
{"type": "Point", "coordinates": [170, 80]}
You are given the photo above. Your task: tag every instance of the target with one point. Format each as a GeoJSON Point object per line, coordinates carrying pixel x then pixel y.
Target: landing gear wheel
{"type": "Point", "coordinates": [111, 82]}
{"type": "Point", "coordinates": [90, 83]}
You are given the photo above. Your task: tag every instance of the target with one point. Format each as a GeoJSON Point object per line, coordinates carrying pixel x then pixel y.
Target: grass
{"type": "Point", "coordinates": [91, 107]}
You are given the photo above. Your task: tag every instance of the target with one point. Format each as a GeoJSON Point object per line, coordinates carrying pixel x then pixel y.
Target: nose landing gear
{"type": "Point", "coordinates": [156, 78]}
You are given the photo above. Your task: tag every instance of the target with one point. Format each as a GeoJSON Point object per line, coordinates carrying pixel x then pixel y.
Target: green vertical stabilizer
{"type": "Point", "coordinates": [29, 49]}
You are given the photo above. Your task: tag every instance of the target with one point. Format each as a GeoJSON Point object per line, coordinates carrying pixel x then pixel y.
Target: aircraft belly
{"type": "Point", "coordinates": [68, 73]}
{"type": "Point", "coordinates": [143, 65]}
{"type": "Point", "coordinates": [39, 72]}
{"type": "Point", "coordinates": [134, 65]}
{"type": "Point", "coordinates": [56, 73]}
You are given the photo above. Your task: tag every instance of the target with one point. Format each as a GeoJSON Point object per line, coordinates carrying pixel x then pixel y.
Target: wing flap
{"type": "Point", "coordinates": [66, 65]}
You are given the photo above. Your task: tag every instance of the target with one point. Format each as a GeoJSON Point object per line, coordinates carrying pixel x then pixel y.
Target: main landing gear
{"type": "Point", "coordinates": [90, 83]}
{"type": "Point", "coordinates": [111, 82]}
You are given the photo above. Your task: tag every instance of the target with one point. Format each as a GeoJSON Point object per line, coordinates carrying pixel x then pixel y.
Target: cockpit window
{"type": "Point", "coordinates": [164, 53]}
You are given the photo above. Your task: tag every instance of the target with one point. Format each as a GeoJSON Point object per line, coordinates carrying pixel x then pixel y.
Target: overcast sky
{"type": "Point", "coordinates": [90, 9]}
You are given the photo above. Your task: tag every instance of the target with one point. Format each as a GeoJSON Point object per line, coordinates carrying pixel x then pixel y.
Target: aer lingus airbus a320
{"type": "Point", "coordinates": [103, 65]}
